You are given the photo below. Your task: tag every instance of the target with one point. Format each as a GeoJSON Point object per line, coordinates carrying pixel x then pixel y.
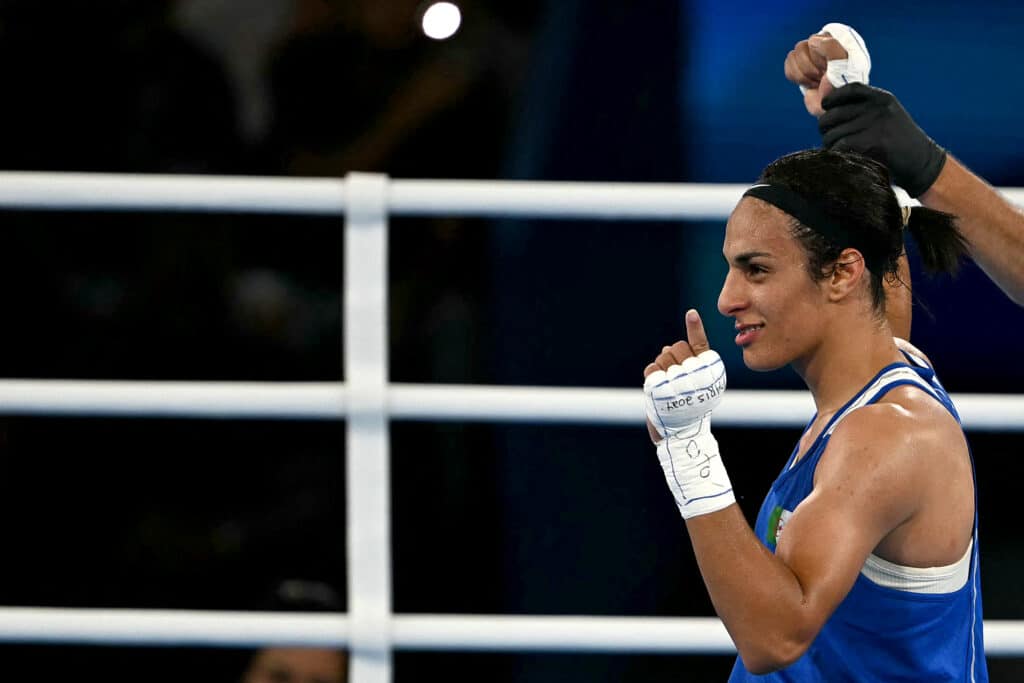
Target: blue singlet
{"type": "Point", "coordinates": [879, 634]}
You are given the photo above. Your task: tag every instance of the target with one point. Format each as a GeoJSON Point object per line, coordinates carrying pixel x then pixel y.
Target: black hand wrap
{"type": "Point", "coordinates": [873, 122]}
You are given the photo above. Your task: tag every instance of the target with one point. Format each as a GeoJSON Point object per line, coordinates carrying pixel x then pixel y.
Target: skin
{"type": "Point", "coordinates": [899, 302]}
{"type": "Point", "coordinates": [992, 226]}
{"type": "Point", "coordinates": [297, 665]}
{"type": "Point", "coordinates": [895, 479]}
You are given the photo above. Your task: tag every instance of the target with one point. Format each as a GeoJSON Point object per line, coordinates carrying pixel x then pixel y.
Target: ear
{"type": "Point", "coordinates": [847, 274]}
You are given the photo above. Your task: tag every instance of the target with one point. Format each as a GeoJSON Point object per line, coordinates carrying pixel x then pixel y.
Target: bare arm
{"type": "Point", "coordinates": [775, 605]}
{"type": "Point", "coordinates": [993, 227]}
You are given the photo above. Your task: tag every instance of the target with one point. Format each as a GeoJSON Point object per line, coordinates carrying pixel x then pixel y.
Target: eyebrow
{"type": "Point", "coordinates": [747, 256]}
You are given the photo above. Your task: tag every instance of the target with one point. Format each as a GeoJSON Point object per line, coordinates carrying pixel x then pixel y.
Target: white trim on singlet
{"type": "Point", "coordinates": [901, 373]}
{"type": "Point", "coordinates": [945, 579]}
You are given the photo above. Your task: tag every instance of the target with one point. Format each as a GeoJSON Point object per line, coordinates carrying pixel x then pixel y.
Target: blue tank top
{"type": "Point", "coordinates": [879, 634]}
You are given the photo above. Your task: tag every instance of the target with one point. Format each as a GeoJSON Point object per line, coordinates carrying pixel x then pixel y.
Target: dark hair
{"type": "Point", "coordinates": [855, 191]}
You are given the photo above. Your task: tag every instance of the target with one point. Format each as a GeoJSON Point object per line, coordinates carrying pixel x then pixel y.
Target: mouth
{"type": "Point", "coordinates": [746, 334]}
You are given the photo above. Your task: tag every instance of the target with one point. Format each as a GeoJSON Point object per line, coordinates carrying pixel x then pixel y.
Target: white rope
{"type": "Point", "coordinates": [169, 627]}
{"type": "Point", "coordinates": [495, 633]}
{"type": "Point", "coordinates": [104, 398]}
{"type": "Point", "coordinates": [691, 201]}
{"type": "Point", "coordinates": [478, 403]}
{"type": "Point", "coordinates": [110, 191]}
{"type": "Point", "coordinates": [659, 635]}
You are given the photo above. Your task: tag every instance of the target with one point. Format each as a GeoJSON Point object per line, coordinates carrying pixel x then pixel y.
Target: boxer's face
{"type": "Point", "coordinates": [778, 308]}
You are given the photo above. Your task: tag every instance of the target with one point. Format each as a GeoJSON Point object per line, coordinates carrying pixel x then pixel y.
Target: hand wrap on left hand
{"type": "Point", "coordinates": [679, 403]}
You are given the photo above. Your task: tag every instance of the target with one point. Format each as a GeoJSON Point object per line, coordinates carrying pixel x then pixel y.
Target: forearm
{"type": "Point", "coordinates": [993, 227]}
{"type": "Point", "coordinates": [755, 593]}
{"type": "Point", "coordinates": [759, 599]}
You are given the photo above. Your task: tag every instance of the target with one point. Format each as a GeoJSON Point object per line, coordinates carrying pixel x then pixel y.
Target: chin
{"type": "Point", "coordinates": [759, 363]}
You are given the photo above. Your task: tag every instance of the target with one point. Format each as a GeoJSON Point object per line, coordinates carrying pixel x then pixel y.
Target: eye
{"type": "Point", "coordinates": [754, 269]}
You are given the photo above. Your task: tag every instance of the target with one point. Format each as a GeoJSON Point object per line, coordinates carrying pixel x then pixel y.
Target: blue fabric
{"type": "Point", "coordinates": [877, 633]}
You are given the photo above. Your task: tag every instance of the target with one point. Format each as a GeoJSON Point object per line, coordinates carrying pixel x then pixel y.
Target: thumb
{"type": "Point", "coordinates": [695, 333]}
{"type": "Point", "coordinates": [827, 46]}
{"type": "Point", "coordinates": [814, 96]}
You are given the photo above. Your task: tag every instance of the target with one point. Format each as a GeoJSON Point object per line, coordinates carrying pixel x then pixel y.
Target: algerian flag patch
{"type": "Point", "coordinates": [776, 522]}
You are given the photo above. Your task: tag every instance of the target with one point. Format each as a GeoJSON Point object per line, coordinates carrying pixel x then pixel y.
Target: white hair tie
{"type": "Point", "coordinates": [906, 202]}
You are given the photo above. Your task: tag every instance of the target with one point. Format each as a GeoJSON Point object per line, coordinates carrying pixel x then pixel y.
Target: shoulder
{"type": "Point", "coordinates": [886, 451]}
{"type": "Point", "coordinates": [906, 424]}
{"type": "Point", "coordinates": [876, 435]}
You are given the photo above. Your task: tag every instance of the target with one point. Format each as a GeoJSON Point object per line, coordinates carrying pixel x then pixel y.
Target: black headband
{"type": "Point", "coordinates": [812, 216]}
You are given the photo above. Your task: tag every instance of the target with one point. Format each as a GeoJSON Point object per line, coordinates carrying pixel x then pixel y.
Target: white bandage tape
{"type": "Point", "coordinates": [856, 68]}
{"type": "Point", "coordinates": [679, 402]}
{"type": "Point", "coordinates": [695, 473]}
{"type": "Point", "coordinates": [677, 399]}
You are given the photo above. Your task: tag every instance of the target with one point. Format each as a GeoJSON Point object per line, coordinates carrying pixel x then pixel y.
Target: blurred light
{"type": "Point", "coordinates": [441, 20]}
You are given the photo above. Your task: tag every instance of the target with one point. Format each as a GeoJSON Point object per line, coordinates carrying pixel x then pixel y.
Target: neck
{"type": "Point", "coordinates": [844, 361]}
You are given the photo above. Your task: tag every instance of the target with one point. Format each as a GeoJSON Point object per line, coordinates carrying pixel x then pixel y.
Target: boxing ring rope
{"type": "Point", "coordinates": [424, 632]}
{"type": "Point", "coordinates": [368, 401]}
{"type": "Point", "coordinates": [418, 402]}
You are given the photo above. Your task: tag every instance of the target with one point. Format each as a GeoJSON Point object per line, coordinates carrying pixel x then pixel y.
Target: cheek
{"type": "Point", "coordinates": [801, 321]}
{"type": "Point", "coordinates": [793, 316]}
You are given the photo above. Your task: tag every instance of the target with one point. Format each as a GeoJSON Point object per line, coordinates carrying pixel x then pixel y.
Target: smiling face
{"type": "Point", "coordinates": [780, 311]}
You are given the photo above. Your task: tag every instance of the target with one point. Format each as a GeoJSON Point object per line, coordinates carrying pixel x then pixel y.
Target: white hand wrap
{"type": "Point", "coordinates": [856, 67]}
{"type": "Point", "coordinates": [678, 403]}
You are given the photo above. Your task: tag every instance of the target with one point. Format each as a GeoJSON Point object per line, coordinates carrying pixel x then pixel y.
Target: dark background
{"type": "Point", "coordinates": [487, 519]}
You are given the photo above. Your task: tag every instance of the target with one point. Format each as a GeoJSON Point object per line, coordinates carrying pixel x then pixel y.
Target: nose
{"type": "Point", "coordinates": [732, 298]}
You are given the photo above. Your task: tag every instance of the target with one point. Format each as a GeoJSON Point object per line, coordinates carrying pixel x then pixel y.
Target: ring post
{"type": "Point", "coordinates": [367, 454]}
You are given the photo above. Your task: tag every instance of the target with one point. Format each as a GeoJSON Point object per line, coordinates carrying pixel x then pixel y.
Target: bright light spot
{"type": "Point", "coordinates": [441, 20]}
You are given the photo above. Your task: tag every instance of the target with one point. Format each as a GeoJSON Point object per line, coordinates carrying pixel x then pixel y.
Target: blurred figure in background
{"type": "Point", "coordinates": [299, 664]}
